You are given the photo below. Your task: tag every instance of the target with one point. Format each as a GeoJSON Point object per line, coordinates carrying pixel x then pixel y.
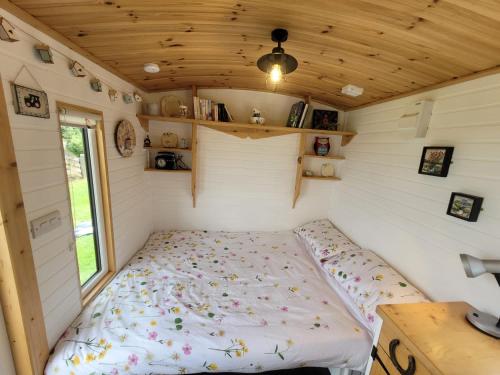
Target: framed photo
{"type": "Point", "coordinates": [325, 120]}
{"type": "Point", "coordinates": [30, 102]}
{"type": "Point", "coordinates": [464, 206]}
{"type": "Point", "coordinates": [436, 161]}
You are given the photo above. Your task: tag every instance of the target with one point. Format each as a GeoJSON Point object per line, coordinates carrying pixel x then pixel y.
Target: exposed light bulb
{"type": "Point", "coordinates": [276, 73]}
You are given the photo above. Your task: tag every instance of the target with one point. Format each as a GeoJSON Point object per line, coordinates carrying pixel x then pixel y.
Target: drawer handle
{"type": "Point", "coordinates": [411, 359]}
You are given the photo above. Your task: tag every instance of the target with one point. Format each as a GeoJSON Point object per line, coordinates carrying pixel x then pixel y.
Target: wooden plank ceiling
{"type": "Point", "coordinates": [388, 47]}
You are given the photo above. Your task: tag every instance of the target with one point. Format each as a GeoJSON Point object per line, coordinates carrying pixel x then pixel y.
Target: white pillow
{"type": "Point", "coordinates": [370, 282]}
{"type": "Point", "coordinates": [324, 239]}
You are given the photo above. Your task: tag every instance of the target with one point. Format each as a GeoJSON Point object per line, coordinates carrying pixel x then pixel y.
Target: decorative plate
{"type": "Point", "coordinates": [125, 138]}
{"type": "Point", "coordinates": [169, 106]}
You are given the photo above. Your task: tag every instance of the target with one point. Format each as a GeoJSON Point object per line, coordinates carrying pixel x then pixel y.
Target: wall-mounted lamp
{"type": "Point", "coordinates": [475, 267]}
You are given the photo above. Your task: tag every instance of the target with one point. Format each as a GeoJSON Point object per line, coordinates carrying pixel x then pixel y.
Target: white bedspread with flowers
{"type": "Point", "coordinates": [195, 301]}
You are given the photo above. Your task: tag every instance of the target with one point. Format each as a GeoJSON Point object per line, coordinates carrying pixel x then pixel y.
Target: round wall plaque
{"type": "Point", "coordinates": [125, 138]}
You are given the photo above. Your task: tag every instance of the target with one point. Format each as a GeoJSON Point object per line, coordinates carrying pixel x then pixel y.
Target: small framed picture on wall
{"type": "Point", "coordinates": [436, 161]}
{"type": "Point", "coordinates": [464, 206]}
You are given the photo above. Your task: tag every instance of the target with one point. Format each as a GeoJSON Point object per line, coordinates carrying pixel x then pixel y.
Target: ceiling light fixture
{"type": "Point", "coordinates": [151, 68]}
{"type": "Point", "coordinates": [352, 90]}
{"type": "Point", "coordinates": [277, 63]}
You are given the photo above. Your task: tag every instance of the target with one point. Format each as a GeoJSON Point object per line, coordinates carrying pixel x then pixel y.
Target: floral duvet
{"type": "Point", "coordinates": [194, 301]}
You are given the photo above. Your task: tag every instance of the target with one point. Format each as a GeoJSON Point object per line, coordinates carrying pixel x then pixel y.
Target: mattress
{"type": "Point", "coordinates": [197, 301]}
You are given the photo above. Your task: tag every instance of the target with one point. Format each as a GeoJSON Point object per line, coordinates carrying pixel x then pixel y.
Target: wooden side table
{"type": "Point", "coordinates": [433, 338]}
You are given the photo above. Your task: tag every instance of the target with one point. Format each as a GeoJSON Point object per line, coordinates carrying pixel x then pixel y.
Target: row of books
{"type": "Point", "coordinates": [206, 109]}
{"type": "Point", "coordinates": [297, 115]}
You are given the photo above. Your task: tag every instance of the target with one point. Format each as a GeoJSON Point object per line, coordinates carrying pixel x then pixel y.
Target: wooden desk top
{"type": "Point", "coordinates": [448, 343]}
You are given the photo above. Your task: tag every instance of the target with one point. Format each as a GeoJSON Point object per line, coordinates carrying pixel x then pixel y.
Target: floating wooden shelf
{"type": "Point", "coordinates": [335, 157]}
{"type": "Point", "coordinates": [168, 170]}
{"type": "Point", "coordinates": [246, 130]}
{"type": "Point", "coordinates": [173, 149]}
{"type": "Point", "coordinates": [331, 178]}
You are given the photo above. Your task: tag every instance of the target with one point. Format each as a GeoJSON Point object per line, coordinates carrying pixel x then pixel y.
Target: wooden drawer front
{"type": "Point", "coordinates": [408, 361]}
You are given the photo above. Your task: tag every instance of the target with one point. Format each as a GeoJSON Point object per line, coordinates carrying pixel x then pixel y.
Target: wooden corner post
{"type": "Point", "coordinates": [19, 294]}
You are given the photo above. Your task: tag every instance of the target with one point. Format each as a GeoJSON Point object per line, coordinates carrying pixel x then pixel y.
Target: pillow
{"type": "Point", "coordinates": [369, 281]}
{"type": "Point", "coordinates": [324, 239]}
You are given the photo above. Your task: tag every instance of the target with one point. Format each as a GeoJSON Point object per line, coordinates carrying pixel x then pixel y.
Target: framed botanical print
{"type": "Point", "coordinates": [30, 102]}
{"type": "Point", "coordinates": [436, 161]}
{"type": "Point", "coordinates": [464, 206]}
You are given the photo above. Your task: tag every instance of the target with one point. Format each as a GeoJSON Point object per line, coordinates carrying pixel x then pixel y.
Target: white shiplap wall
{"type": "Point", "coordinates": [243, 184]}
{"type": "Point", "coordinates": [38, 150]}
{"type": "Point", "coordinates": [383, 204]}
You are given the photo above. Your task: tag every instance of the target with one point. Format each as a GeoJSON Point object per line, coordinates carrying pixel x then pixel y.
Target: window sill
{"type": "Point", "coordinates": [97, 288]}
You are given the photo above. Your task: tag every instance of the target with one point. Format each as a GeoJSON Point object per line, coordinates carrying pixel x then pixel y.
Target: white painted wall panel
{"type": "Point", "coordinates": [383, 204]}
{"type": "Point", "coordinates": [41, 165]}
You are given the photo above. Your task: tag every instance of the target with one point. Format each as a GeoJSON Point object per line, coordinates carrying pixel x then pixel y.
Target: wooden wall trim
{"type": "Point", "coordinates": [32, 21]}
{"type": "Point", "coordinates": [19, 294]}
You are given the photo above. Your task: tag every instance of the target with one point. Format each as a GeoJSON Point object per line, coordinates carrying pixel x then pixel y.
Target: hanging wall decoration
{"type": "Point", "coordinates": [464, 206]}
{"type": "Point", "coordinates": [30, 102]}
{"type": "Point", "coordinates": [138, 97]}
{"type": "Point", "coordinates": [128, 98]}
{"type": "Point", "coordinates": [77, 69]}
{"type": "Point", "coordinates": [436, 161]}
{"type": "Point", "coordinates": [44, 53]}
{"type": "Point", "coordinates": [7, 33]}
{"type": "Point", "coordinates": [96, 85]}
{"type": "Point", "coordinates": [125, 138]}
{"type": "Point", "coordinates": [113, 95]}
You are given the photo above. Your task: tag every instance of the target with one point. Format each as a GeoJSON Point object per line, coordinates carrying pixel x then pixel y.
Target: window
{"type": "Point", "coordinates": [83, 159]}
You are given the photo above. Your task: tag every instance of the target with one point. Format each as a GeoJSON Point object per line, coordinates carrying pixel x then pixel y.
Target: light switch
{"type": "Point", "coordinates": [45, 224]}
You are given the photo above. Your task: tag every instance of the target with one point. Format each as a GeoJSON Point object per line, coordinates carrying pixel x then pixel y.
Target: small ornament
{"type": "Point", "coordinates": [137, 97]}
{"type": "Point", "coordinates": [7, 33]}
{"type": "Point", "coordinates": [327, 170]}
{"type": "Point", "coordinates": [128, 98]}
{"type": "Point", "coordinates": [45, 53]}
{"type": "Point", "coordinates": [77, 69]}
{"type": "Point", "coordinates": [113, 95]}
{"type": "Point", "coordinates": [96, 85]}
{"type": "Point", "coordinates": [256, 117]}
{"type": "Point", "coordinates": [183, 111]}
{"type": "Point", "coordinates": [322, 146]}
{"type": "Point", "coordinates": [308, 173]}
{"type": "Point", "coordinates": [147, 141]}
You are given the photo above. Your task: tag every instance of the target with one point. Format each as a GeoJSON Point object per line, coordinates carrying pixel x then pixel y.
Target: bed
{"type": "Point", "coordinates": [197, 301]}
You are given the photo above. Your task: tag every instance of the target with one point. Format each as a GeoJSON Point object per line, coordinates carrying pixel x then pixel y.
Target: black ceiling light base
{"type": "Point", "coordinates": [279, 35]}
{"type": "Point", "coordinates": [287, 62]}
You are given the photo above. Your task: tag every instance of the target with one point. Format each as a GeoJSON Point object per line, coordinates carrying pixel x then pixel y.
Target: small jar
{"type": "Point", "coordinates": [322, 146]}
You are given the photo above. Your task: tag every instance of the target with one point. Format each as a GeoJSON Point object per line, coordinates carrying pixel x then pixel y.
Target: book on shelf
{"type": "Point", "coordinates": [295, 116]}
{"type": "Point", "coordinates": [206, 109]}
{"type": "Point", "coordinates": [303, 116]}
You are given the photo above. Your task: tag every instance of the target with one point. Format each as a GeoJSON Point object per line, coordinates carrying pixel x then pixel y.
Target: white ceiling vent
{"type": "Point", "coordinates": [352, 90]}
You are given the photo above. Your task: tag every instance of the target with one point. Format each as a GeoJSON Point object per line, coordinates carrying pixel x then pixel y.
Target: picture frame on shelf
{"type": "Point", "coordinates": [325, 120]}
{"type": "Point", "coordinates": [464, 206]}
{"type": "Point", "coordinates": [436, 161]}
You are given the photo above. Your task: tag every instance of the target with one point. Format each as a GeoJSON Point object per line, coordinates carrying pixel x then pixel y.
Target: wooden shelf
{"type": "Point", "coordinates": [246, 130]}
{"type": "Point", "coordinates": [167, 170]}
{"type": "Point", "coordinates": [173, 149]}
{"type": "Point", "coordinates": [331, 178]}
{"type": "Point", "coordinates": [335, 157]}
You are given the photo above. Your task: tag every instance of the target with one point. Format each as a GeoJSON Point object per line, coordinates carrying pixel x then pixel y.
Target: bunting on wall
{"type": "Point", "coordinates": [46, 55]}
